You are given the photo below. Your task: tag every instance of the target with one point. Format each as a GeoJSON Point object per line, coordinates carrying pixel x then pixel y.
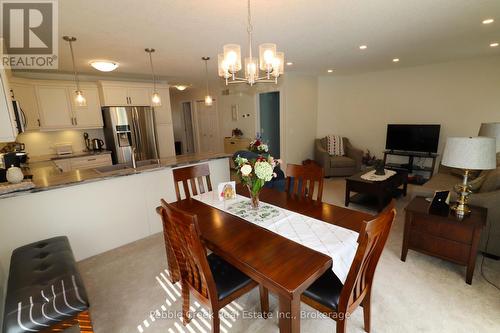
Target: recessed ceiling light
{"type": "Point", "coordinates": [104, 65]}
{"type": "Point", "coordinates": [181, 87]}
{"type": "Point", "coordinates": [395, 60]}
{"type": "Point", "coordinates": [363, 47]}
{"type": "Point", "coordinates": [495, 44]}
{"type": "Point", "coordinates": [289, 63]}
{"type": "Point", "coordinates": [330, 71]}
{"type": "Point", "coordinates": [488, 21]}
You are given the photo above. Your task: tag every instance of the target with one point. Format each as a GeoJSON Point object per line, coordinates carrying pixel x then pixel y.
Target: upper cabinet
{"type": "Point", "coordinates": [115, 93]}
{"type": "Point", "coordinates": [8, 131]}
{"type": "Point", "coordinates": [25, 94]}
{"type": "Point", "coordinates": [50, 105]}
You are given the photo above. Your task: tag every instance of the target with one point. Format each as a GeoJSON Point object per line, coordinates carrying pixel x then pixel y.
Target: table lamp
{"type": "Point", "coordinates": [491, 130]}
{"type": "Point", "coordinates": [478, 153]}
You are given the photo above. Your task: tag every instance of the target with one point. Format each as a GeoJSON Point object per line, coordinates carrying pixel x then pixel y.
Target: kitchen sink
{"type": "Point", "coordinates": [140, 165]}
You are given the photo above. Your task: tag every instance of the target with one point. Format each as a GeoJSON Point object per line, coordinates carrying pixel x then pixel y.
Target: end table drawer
{"type": "Point", "coordinates": [455, 232]}
{"type": "Point", "coordinates": [440, 247]}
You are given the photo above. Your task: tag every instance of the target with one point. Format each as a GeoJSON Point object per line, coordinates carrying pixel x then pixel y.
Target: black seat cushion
{"type": "Point", "coordinates": [326, 290]}
{"type": "Point", "coordinates": [44, 286]}
{"type": "Point", "coordinates": [228, 278]}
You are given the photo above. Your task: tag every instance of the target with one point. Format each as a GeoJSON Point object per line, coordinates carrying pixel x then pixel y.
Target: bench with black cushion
{"type": "Point", "coordinates": [45, 292]}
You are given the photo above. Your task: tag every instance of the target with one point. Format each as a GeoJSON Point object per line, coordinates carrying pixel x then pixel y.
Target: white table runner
{"type": "Point", "coordinates": [336, 242]}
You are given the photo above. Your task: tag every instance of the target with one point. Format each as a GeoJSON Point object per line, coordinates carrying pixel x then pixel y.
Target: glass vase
{"type": "Point", "coordinates": [254, 198]}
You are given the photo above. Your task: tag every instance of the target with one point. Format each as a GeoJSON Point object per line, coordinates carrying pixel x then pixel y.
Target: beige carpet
{"type": "Point", "coordinates": [424, 294]}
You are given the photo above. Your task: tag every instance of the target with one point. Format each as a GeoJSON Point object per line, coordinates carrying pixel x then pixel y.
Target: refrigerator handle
{"type": "Point", "coordinates": [137, 134]}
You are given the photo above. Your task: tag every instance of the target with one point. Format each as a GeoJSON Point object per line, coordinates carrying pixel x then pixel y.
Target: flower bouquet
{"type": "Point", "coordinates": [254, 173]}
{"type": "Point", "coordinates": [258, 147]}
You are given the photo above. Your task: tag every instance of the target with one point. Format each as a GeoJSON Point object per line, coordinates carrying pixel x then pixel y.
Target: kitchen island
{"type": "Point", "coordinates": [97, 211]}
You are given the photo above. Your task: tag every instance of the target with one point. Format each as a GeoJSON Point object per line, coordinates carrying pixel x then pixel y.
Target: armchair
{"type": "Point", "coordinates": [338, 165]}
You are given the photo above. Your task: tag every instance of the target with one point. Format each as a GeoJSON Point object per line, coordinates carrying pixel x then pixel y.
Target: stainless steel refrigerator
{"type": "Point", "coordinates": [129, 128]}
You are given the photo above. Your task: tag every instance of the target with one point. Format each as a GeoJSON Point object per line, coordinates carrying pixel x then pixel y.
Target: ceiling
{"type": "Point", "coordinates": [314, 34]}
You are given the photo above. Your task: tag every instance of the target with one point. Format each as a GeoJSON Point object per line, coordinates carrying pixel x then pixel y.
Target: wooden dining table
{"type": "Point", "coordinates": [284, 267]}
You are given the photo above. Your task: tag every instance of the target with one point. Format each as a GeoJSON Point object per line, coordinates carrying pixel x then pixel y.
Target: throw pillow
{"type": "Point", "coordinates": [491, 181]}
{"type": "Point", "coordinates": [335, 145]}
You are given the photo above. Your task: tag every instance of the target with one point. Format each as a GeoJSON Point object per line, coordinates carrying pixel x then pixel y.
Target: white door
{"type": "Point", "coordinates": [208, 129]}
{"type": "Point", "coordinates": [115, 96]}
{"type": "Point", "coordinates": [139, 96]}
{"type": "Point", "coordinates": [24, 94]}
{"type": "Point", "coordinates": [89, 116]}
{"type": "Point", "coordinates": [54, 107]}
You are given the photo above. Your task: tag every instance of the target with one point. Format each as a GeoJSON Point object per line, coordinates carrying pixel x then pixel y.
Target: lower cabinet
{"type": "Point", "coordinates": [86, 162]}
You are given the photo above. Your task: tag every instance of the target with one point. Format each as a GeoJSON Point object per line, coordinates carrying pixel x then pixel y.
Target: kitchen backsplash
{"type": "Point", "coordinates": [42, 143]}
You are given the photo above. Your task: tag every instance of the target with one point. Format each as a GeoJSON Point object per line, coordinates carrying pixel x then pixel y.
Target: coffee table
{"type": "Point", "coordinates": [444, 237]}
{"type": "Point", "coordinates": [375, 193]}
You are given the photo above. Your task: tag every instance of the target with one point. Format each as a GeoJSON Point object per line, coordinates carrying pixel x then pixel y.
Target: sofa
{"type": "Point", "coordinates": [338, 165]}
{"type": "Point", "coordinates": [485, 193]}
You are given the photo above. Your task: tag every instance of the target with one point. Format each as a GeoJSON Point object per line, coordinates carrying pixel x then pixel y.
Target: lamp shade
{"type": "Point", "coordinates": [491, 130]}
{"type": "Point", "coordinates": [476, 153]}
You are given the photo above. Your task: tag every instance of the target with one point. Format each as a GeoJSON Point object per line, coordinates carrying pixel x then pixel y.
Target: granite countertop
{"type": "Point", "coordinates": [49, 178]}
{"type": "Point", "coordinates": [53, 157]}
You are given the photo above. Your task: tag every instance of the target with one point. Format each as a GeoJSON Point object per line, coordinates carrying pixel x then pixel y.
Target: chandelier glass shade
{"type": "Point", "coordinates": [270, 63]}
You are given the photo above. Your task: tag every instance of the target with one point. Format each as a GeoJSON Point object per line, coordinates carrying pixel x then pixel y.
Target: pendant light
{"type": "Point", "coordinates": [208, 99]}
{"type": "Point", "coordinates": [155, 97]}
{"type": "Point", "coordinates": [79, 98]}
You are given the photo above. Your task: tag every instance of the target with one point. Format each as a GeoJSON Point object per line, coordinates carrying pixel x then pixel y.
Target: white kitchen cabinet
{"type": "Point", "coordinates": [25, 95]}
{"type": "Point", "coordinates": [125, 94]}
{"type": "Point", "coordinates": [139, 96]}
{"type": "Point", "coordinates": [163, 113]}
{"type": "Point", "coordinates": [8, 131]}
{"type": "Point", "coordinates": [165, 136]}
{"type": "Point", "coordinates": [54, 107]}
{"type": "Point", "coordinates": [89, 116]}
{"type": "Point", "coordinates": [84, 162]}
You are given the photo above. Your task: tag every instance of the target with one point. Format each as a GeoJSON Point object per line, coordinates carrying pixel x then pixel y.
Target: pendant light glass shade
{"type": "Point", "coordinates": [208, 99]}
{"type": "Point", "coordinates": [232, 57]}
{"type": "Point", "coordinates": [80, 100]}
{"type": "Point", "coordinates": [155, 99]}
{"type": "Point", "coordinates": [267, 52]}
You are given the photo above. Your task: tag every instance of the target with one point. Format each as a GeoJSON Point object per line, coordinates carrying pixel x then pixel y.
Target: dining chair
{"type": "Point", "coordinates": [338, 301]}
{"type": "Point", "coordinates": [212, 280]}
{"type": "Point", "coordinates": [192, 174]}
{"type": "Point", "coordinates": [301, 179]}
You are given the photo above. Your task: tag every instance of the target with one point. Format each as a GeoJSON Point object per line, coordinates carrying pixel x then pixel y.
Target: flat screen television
{"type": "Point", "coordinates": [417, 138]}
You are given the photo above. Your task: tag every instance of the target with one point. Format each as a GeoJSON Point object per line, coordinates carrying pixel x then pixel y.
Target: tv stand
{"type": "Point", "coordinates": [410, 166]}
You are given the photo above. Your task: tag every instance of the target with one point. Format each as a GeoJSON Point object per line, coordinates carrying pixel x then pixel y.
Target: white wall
{"type": "Point", "coordinates": [42, 143]}
{"type": "Point", "coordinates": [457, 95]}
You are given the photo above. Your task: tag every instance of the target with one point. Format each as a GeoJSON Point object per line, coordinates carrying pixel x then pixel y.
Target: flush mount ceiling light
{"type": "Point", "coordinates": [488, 21]}
{"type": "Point", "coordinates": [495, 44]}
{"type": "Point", "coordinates": [330, 71]}
{"type": "Point", "coordinates": [79, 98]}
{"type": "Point", "coordinates": [104, 65]}
{"type": "Point", "coordinates": [155, 97]}
{"type": "Point", "coordinates": [395, 60]}
{"type": "Point", "coordinates": [289, 63]}
{"type": "Point", "coordinates": [181, 87]}
{"type": "Point", "coordinates": [208, 99]}
{"type": "Point", "coordinates": [363, 47]}
{"type": "Point", "coordinates": [270, 61]}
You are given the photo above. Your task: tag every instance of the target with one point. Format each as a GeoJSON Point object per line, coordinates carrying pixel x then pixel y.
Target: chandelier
{"type": "Point", "coordinates": [271, 63]}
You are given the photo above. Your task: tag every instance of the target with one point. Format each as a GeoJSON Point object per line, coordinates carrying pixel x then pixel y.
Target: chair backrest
{"type": "Point", "coordinates": [304, 179]}
{"type": "Point", "coordinates": [182, 230]}
{"type": "Point", "coordinates": [372, 238]}
{"type": "Point", "coordinates": [191, 174]}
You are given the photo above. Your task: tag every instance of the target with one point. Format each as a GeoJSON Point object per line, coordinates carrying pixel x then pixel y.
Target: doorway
{"type": "Point", "coordinates": [187, 119]}
{"type": "Point", "coordinates": [269, 121]}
